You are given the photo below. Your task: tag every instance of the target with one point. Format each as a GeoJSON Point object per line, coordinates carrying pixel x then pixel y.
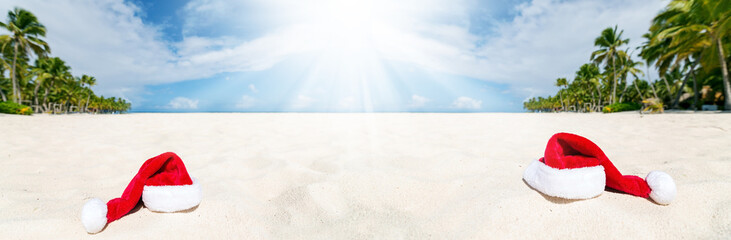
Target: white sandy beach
{"type": "Point", "coordinates": [361, 176]}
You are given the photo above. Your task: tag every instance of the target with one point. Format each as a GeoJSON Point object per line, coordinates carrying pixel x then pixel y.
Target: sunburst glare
{"type": "Point", "coordinates": [347, 72]}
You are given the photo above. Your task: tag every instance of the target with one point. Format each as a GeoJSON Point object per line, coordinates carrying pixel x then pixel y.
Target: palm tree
{"type": "Point", "coordinates": [589, 74]}
{"type": "Point", "coordinates": [87, 81]}
{"type": "Point", "coordinates": [699, 26]}
{"type": "Point", "coordinates": [50, 72]}
{"type": "Point", "coordinates": [649, 53]}
{"type": "Point", "coordinates": [72, 94]}
{"type": "Point", "coordinates": [576, 93]}
{"type": "Point", "coordinates": [630, 67]}
{"type": "Point", "coordinates": [608, 42]}
{"type": "Point", "coordinates": [561, 83]}
{"type": "Point", "coordinates": [89, 94]}
{"type": "Point", "coordinates": [4, 82]}
{"type": "Point", "coordinates": [24, 79]}
{"type": "Point", "coordinates": [672, 79]}
{"type": "Point", "coordinates": [25, 30]}
{"type": "Point", "coordinates": [672, 54]}
{"type": "Point", "coordinates": [691, 69]}
{"type": "Point", "coordinates": [669, 61]}
{"type": "Point", "coordinates": [652, 51]}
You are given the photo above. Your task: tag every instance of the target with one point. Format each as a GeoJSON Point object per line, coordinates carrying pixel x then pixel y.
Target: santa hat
{"type": "Point", "coordinates": [573, 167]}
{"type": "Point", "coordinates": [163, 184]}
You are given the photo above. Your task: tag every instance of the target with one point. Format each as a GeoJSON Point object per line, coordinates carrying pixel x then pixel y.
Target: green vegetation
{"type": "Point", "coordinates": [621, 107]}
{"type": "Point", "coordinates": [47, 85]}
{"type": "Point", "coordinates": [688, 41]}
{"type": "Point", "coordinates": [14, 108]}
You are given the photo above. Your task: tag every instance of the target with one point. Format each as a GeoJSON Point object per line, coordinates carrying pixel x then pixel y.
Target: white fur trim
{"type": "Point", "coordinates": [94, 215]}
{"type": "Point", "coordinates": [172, 198]}
{"type": "Point", "coordinates": [576, 183]}
{"type": "Point", "coordinates": [662, 187]}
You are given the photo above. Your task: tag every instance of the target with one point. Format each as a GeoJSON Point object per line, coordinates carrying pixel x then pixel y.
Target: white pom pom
{"type": "Point", "coordinates": [94, 215]}
{"type": "Point", "coordinates": [662, 186]}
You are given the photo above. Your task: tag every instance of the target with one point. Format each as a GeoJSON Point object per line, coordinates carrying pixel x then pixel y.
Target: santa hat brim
{"type": "Point", "coordinates": [172, 198]}
{"type": "Point", "coordinates": [575, 183]}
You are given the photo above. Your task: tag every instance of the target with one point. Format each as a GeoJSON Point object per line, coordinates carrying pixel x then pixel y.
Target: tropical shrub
{"type": "Point", "coordinates": [14, 108]}
{"type": "Point", "coordinates": [653, 105]}
{"type": "Point", "coordinates": [620, 107]}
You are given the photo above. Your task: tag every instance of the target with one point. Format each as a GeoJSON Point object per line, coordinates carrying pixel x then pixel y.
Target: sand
{"type": "Point", "coordinates": [361, 176]}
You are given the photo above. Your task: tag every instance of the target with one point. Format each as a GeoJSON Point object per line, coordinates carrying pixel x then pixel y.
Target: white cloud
{"type": "Point", "coordinates": [545, 40]}
{"type": "Point", "coordinates": [246, 101]}
{"type": "Point", "coordinates": [418, 101]}
{"type": "Point", "coordinates": [549, 39]}
{"type": "Point", "coordinates": [466, 103]}
{"type": "Point", "coordinates": [252, 88]}
{"type": "Point", "coordinates": [104, 39]}
{"type": "Point", "coordinates": [107, 39]}
{"type": "Point", "coordinates": [182, 103]}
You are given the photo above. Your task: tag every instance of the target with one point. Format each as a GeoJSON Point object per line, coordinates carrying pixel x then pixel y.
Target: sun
{"type": "Point", "coordinates": [347, 61]}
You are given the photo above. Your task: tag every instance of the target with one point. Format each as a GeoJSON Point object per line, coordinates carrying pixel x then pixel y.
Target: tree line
{"type": "Point", "coordinates": [47, 84]}
{"type": "Point", "coordinates": [687, 43]}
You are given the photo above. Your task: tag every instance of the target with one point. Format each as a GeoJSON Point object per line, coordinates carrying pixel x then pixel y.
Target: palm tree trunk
{"type": "Point", "coordinates": [45, 100]}
{"type": "Point", "coordinates": [614, 77]}
{"type": "Point", "coordinates": [5, 99]}
{"type": "Point", "coordinates": [639, 93]}
{"type": "Point", "coordinates": [20, 92]}
{"type": "Point", "coordinates": [724, 71]}
{"type": "Point", "coordinates": [667, 85]}
{"type": "Point", "coordinates": [624, 91]}
{"type": "Point", "coordinates": [654, 92]}
{"type": "Point", "coordinates": [680, 92]}
{"type": "Point", "coordinates": [599, 90]}
{"type": "Point", "coordinates": [650, 82]}
{"type": "Point", "coordinates": [695, 91]}
{"type": "Point", "coordinates": [86, 108]}
{"type": "Point", "coordinates": [593, 103]}
{"type": "Point", "coordinates": [12, 75]}
{"type": "Point", "coordinates": [35, 93]}
{"type": "Point", "coordinates": [561, 98]}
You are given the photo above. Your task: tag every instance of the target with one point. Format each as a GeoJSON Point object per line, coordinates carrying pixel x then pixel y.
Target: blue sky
{"type": "Point", "coordinates": [331, 55]}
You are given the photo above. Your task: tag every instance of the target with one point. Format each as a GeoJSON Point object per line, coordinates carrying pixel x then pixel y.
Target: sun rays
{"type": "Point", "coordinates": [347, 71]}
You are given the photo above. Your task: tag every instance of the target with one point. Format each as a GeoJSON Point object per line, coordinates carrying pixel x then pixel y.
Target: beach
{"type": "Point", "coordinates": [361, 176]}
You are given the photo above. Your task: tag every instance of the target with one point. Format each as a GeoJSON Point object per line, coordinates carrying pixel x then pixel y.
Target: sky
{"type": "Point", "coordinates": [331, 55]}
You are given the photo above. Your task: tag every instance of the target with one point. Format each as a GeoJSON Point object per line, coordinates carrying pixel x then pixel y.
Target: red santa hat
{"type": "Point", "coordinates": [573, 167]}
{"type": "Point", "coordinates": [163, 184]}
